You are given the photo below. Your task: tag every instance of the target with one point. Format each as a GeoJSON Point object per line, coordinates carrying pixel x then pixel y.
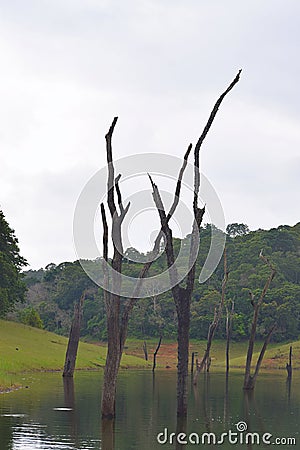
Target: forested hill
{"type": "Point", "coordinates": [52, 291]}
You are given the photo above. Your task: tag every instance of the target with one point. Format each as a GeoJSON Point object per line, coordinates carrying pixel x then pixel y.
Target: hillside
{"type": "Point", "coordinates": [276, 355]}
{"type": "Point", "coordinates": [53, 290]}
{"type": "Point", "coordinates": [25, 349]}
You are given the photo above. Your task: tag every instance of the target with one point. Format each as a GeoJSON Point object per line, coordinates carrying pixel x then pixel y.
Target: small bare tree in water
{"type": "Point", "coordinates": [250, 380]}
{"type": "Point", "coordinates": [74, 336]}
{"type": "Point", "coordinates": [206, 360]}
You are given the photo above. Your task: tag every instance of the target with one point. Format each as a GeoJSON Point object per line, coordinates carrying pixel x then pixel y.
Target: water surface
{"type": "Point", "coordinates": [53, 414]}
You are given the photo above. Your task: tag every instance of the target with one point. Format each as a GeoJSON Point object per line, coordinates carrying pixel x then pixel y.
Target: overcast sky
{"type": "Point", "coordinates": [69, 66]}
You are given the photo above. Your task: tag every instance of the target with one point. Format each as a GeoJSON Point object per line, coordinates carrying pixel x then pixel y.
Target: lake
{"type": "Point", "coordinates": [53, 414]}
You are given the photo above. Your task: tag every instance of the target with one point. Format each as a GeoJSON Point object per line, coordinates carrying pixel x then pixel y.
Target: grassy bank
{"type": "Point", "coordinates": [26, 349]}
{"type": "Point", "coordinates": [276, 356]}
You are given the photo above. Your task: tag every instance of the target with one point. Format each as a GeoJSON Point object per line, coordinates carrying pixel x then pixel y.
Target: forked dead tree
{"type": "Point", "coordinates": [250, 380]}
{"type": "Point", "coordinates": [117, 317]}
{"type": "Point", "coordinates": [74, 336]}
{"type": "Point", "coordinates": [182, 296]}
{"type": "Point", "coordinates": [206, 360]}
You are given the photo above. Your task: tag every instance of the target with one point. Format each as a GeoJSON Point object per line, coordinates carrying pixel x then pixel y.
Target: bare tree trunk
{"type": "Point", "coordinates": [193, 361]}
{"type": "Point", "coordinates": [182, 296]}
{"type": "Point", "coordinates": [206, 360]}
{"type": "Point", "coordinates": [155, 353]}
{"type": "Point", "coordinates": [262, 353]}
{"type": "Point", "coordinates": [113, 359]}
{"type": "Point", "coordinates": [117, 323]}
{"type": "Point", "coordinates": [249, 381]}
{"type": "Point", "coordinates": [112, 301]}
{"type": "Point", "coordinates": [229, 317]}
{"type": "Point", "coordinates": [71, 354]}
{"type": "Point", "coordinates": [145, 350]}
{"type": "Point", "coordinates": [289, 364]}
{"type": "Point", "coordinates": [183, 314]}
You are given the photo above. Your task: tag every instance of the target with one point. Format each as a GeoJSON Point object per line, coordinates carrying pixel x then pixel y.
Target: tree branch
{"type": "Point", "coordinates": [119, 195]}
{"type": "Point", "coordinates": [105, 233]}
{"type": "Point", "coordinates": [111, 176]}
{"type": "Point", "coordinates": [145, 269]}
{"type": "Point", "coordinates": [105, 257]}
{"type": "Point", "coordinates": [203, 136]}
{"type": "Point", "coordinates": [179, 182]}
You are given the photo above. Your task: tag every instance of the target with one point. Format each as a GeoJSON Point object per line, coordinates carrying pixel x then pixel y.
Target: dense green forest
{"type": "Point", "coordinates": [12, 287]}
{"type": "Point", "coordinates": [52, 291]}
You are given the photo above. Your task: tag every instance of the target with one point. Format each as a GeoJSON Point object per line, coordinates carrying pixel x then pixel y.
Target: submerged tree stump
{"type": "Point", "coordinates": [74, 335]}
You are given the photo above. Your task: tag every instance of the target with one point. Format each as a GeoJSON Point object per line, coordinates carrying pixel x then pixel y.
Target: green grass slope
{"type": "Point", "coordinates": [26, 349]}
{"type": "Point", "coordinates": [276, 356]}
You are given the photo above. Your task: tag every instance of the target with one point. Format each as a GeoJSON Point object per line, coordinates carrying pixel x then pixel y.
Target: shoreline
{"type": "Point", "coordinates": [217, 370]}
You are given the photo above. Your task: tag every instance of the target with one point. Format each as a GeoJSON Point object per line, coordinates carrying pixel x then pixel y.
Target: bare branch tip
{"type": "Point", "coordinates": [127, 208]}
{"type": "Point", "coordinates": [188, 151]}
{"type": "Point", "coordinates": [151, 180]}
{"type": "Point", "coordinates": [111, 128]}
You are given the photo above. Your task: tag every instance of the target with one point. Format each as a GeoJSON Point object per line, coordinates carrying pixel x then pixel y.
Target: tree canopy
{"type": "Point", "coordinates": [53, 291]}
{"type": "Point", "coordinates": [12, 287]}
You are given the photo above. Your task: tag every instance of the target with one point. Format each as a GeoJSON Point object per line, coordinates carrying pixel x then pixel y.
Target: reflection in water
{"type": "Point", "coordinates": [288, 389]}
{"type": "Point", "coordinates": [226, 403]}
{"type": "Point", "coordinates": [69, 392]}
{"type": "Point", "coordinates": [181, 427]}
{"type": "Point", "coordinates": [6, 432]}
{"type": "Point", "coordinates": [60, 415]}
{"type": "Point", "coordinates": [202, 401]}
{"type": "Point", "coordinates": [248, 401]}
{"type": "Point", "coordinates": [69, 401]}
{"type": "Point", "coordinates": [108, 434]}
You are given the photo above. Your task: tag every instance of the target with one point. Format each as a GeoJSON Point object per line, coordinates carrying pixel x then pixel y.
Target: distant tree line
{"type": "Point", "coordinates": [12, 287]}
{"type": "Point", "coordinates": [52, 291]}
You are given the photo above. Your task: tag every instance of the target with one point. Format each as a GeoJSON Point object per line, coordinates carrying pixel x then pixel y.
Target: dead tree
{"type": "Point", "coordinates": [206, 360]}
{"type": "Point", "coordinates": [145, 350]}
{"type": "Point", "coordinates": [249, 380]}
{"type": "Point", "coordinates": [117, 317]}
{"type": "Point", "coordinates": [155, 354]}
{"type": "Point", "coordinates": [73, 342]}
{"type": "Point", "coordinates": [182, 296]}
{"type": "Point", "coordinates": [229, 319]}
{"type": "Point", "coordinates": [289, 364]}
{"type": "Point", "coordinates": [193, 361]}
{"type": "Point", "coordinates": [112, 300]}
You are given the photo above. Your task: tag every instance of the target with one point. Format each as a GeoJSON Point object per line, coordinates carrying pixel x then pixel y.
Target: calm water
{"type": "Point", "coordinates": [53, 415]}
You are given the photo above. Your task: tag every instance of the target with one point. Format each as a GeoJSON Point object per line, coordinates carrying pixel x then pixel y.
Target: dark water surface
{"type": "Point", "coordinates": [51, 414]}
